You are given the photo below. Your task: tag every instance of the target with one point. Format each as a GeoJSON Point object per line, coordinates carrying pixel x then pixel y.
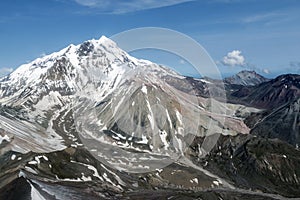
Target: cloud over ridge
{"type": "Point", "coordinates": [234, 58]}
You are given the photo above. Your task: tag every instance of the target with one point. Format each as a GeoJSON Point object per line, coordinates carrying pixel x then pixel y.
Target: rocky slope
{"type": "Point", "coordinates": [271, 94]}
{"type": "Point", "coordinates": [282, 123]}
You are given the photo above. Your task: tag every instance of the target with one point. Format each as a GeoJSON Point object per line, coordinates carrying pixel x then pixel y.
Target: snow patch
{"type": "Point", "coordinates": [4, 138]}
{"type": "Point", "coordinates": [13, 157]}
{"type": "Point", "coordinates": [284, 156]}
{"type": "Point", "coordinates": [179, 117]}
{"type": "Point", "coordinates": [144, 89]}
{"type": "Point", "coordinates": [143, 141]}
{"type": "Point", "coordinates": [33, 162]}
{"type": "Point", "coordinates": [205, 81]}
{"type": "Point", "coordinates": [216, 183]}
{"type": "Point", "coordinates": [35, 195]}
{"type": "Point", "coordinates": [195, 180]}
{"type": "Point", "coordinates": [163, 136]}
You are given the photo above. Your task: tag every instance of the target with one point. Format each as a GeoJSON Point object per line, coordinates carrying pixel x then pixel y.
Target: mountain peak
{"type": "Point", "coordinates": [72, 69]}
{"type": "Point", "coordinates": [103, 38]}
{"type": "Point", "coordinates": [103, 41]}
{"type": "Point", "coordinates": [247, 72]}
{"type": "Point", "coordinates": [246, 77]}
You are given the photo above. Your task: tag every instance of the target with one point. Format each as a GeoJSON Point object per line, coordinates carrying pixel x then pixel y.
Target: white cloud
{"type": "Point", "coordinates": [89, 3]}
{"type": "Point", "coordinates": [234, 58]}
{"type": "Point", "coordinates": [5, 70]}
{"type": "Point", "coordinates": [262, 17]}
{"type": "Point", "coordinates": [266, 71]}
{"type": "Point", "coordinates": [119, 6]}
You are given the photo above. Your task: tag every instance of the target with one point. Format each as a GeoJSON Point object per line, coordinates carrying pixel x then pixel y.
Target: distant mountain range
{"type": "Point", "coordinates": [149, 124]}
{"type": "Point", "coordinates": [273, 93]}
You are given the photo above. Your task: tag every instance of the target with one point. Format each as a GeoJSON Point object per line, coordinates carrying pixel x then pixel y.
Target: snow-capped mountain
{"type": "Point", "coordinates": [246, 78]}
{"type": "Point", "coordinates": [109, 79]}
{"type": "Point", "coordinates": [97, 91]}
{"type": "Point", "coordinates": [77, 123]}
{"type": "Point", "coordinates": [66, 71]}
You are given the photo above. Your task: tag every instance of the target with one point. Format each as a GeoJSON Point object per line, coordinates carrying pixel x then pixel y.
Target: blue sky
{"type": "Point", "coordinates": [263, 35]}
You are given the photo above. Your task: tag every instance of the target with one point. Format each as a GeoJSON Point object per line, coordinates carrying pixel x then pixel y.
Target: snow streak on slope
{"type": "Point", "coordinates": [27, 137]}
